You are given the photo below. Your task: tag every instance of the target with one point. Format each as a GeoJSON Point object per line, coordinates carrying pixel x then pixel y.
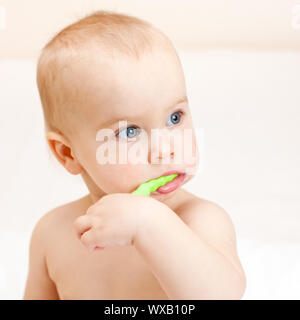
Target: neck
{"type": "Point", "coordinates": [95, 193]}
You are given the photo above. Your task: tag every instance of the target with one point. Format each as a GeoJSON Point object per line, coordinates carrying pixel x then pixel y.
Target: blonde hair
{"type": "Point", "coordinates": [114, 33]}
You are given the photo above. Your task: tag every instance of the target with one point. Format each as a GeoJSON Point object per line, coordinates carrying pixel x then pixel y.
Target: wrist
{"type": "Point", "coordinates": [150, 219]}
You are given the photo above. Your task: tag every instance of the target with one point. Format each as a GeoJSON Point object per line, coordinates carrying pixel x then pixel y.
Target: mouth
{"type": "Point", "coordinates": [172, 185]}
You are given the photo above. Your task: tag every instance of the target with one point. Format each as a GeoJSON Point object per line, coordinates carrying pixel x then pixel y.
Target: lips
{"type": "Point", "coordinates": [172, 185]}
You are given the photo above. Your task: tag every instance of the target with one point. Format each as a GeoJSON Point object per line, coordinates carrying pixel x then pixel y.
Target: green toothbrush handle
{"type": "Point", "coordinates": [146, 188]}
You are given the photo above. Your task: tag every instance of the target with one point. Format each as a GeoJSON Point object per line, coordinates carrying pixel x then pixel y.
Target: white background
{"type": "Point", "coordinates": [247, 101]}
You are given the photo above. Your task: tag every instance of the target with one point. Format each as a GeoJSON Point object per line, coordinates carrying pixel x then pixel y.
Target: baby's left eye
{"type": "Point", "coordinates": [174, 118]}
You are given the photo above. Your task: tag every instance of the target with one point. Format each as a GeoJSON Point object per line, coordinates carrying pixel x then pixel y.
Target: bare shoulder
{"type": "Point", "coordinates": [196, 209]}
{"type": "Point", "coordinates": [45, 235]}
{"type": "Point", "coordinates": [52, 222]}
{"type": "Point", "coordinates": [213, 224]}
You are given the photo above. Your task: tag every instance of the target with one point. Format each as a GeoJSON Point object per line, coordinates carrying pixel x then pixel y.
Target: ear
{"type": "Point", "coordinates": [62, 150]}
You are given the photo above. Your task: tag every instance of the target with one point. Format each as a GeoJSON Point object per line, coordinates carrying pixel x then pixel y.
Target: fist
{"type": "Point", "coordinates": [114, 220]}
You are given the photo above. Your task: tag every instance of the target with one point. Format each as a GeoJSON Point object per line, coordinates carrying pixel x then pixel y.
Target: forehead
{"type": "Point", "coordinates": [126, 87]}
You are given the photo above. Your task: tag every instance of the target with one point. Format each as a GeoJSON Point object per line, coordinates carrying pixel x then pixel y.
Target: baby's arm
{"type": "Point", "coordinates": [193, 257]}
{"type": "Point", "coordinates": [39, 286]}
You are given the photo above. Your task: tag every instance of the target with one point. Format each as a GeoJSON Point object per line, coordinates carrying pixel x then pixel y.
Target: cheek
{"type": "Point", "coordinates": [119, 174]}
{"type": "Point", "coordinates": [196, 157]}
{"type": "Point", "coordinates": [110, 177]}
{"type": "Point", "coordinates": [191, 156]}
{"type": "Point", "coordinates": [115, 178]}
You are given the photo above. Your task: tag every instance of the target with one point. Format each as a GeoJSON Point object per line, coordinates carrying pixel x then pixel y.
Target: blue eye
{"type": "Point", "coordinates": [174, 118]}
{"type": "Point", "coordinates": [127, 133]}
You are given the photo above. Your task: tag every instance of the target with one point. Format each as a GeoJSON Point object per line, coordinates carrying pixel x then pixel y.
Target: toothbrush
{"type": "Point", "coordinates": [150, 186]}
{"type": "Point", "coordinates": [146, 188]}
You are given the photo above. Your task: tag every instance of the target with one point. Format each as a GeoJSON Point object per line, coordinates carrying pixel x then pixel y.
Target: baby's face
{"type": "Point", "coordinates": [145, 95]}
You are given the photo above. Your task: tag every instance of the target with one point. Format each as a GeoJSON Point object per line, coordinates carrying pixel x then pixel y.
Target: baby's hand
{"type": "Point", "coordinates": [113, 220]}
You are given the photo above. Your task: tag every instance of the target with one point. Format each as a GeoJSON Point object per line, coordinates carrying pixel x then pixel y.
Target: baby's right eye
{"type": "Point", "coordinates": [128, 133]}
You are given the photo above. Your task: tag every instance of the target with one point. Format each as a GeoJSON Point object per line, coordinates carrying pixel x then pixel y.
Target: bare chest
{"type": "Point", "coordinates": [113, 273]}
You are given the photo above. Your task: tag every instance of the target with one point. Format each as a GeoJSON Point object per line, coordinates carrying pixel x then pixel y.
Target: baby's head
{"type": "Point", "coordinates": [103, 69]}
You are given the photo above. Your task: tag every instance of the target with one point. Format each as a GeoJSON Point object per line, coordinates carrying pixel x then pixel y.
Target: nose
{"type": "Point", "coordinates": [161, 147]}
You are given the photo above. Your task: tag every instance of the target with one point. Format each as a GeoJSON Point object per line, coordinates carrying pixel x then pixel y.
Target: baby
{"type": "Point", "coordinates": [105, 82]}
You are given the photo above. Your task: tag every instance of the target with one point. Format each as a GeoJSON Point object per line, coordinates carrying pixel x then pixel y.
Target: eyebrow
{"type": "Point", "coordinates": [116, 119]}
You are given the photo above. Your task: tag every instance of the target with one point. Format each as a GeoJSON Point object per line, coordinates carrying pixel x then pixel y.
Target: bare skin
{"type": "Point", "coordinates": [175, 245]}
{"type": "Point", "coordinates": [62, 268]}
{"type": "Point", "coordinates": [72, 272]}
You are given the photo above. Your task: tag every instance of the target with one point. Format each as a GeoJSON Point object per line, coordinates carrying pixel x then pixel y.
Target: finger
{"type": "Point", "coordinates": [92, 209]}
{"type": "Point", "coordinates": [99, 248]}
{"type": "Point", "coordinates": [82, 224]}
{"type": "Point", "coordinates": [90, 239]}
